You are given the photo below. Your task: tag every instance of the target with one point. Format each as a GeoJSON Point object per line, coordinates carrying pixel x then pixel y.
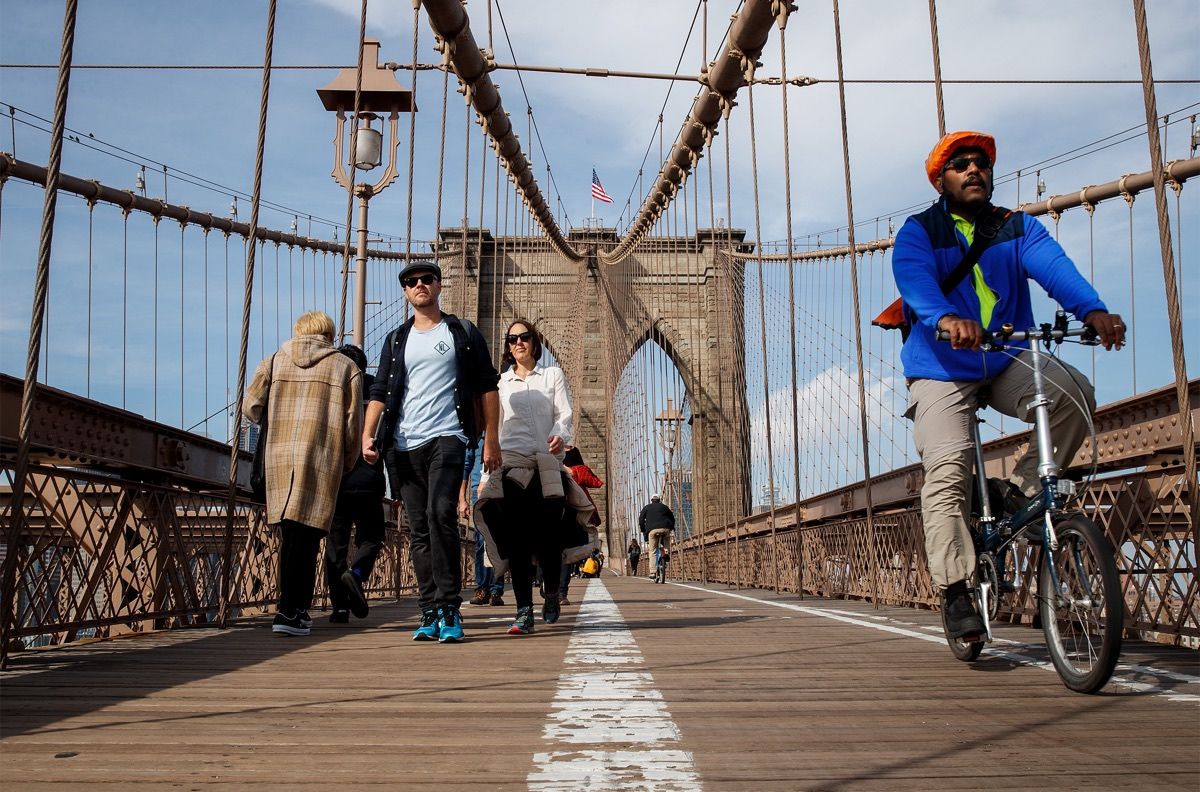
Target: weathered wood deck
{"type": "Point", "coordinates": [758, 692]}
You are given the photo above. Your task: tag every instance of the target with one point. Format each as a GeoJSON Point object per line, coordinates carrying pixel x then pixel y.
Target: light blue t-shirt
{"type": "Point", "coordinates": [428, 411]}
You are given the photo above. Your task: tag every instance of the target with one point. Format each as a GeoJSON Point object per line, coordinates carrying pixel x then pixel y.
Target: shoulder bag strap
{"type": "Point", "coordinates": [986, 229]}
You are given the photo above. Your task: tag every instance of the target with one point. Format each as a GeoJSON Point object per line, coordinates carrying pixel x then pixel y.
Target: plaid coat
{"type": "Point", "coordinates": [314, 427]}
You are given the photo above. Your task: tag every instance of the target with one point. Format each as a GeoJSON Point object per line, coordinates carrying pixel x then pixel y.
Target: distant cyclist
{"type": "Point", "coordinates": [941, 290]}
{"type": "Point", "coordinates": [657, 523]}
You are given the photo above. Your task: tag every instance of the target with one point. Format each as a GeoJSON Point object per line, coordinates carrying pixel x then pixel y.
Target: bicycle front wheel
{"type": "Point", "coordinates": [1083, 616]}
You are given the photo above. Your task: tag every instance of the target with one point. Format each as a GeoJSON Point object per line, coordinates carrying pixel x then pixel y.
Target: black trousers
{"type": "Point", "coordinates": [524, 525]}
{"type": "Point", "coordinates": [364, 512]}
{"type": "Point", "coordinates": [298, 550]}
{"type": "Point", "coordinates": [427, 479]}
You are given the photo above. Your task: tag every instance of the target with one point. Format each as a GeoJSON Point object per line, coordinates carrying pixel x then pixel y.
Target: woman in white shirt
{"type": "Point", "coordinates": [535, 420]}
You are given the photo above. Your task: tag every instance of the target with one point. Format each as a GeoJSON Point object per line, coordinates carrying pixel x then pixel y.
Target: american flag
{"type": "Point", "coordinates": [598, 189]}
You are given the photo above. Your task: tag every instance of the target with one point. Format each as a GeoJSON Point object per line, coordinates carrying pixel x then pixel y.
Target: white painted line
{"type": "Point", "coordinates": [609, 728]}
{"type": "Point", "coordinates": [1123, 676]}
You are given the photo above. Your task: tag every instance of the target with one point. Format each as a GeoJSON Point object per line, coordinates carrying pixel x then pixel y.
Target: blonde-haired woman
{"type": "Point", "coordinates": [312, 397]}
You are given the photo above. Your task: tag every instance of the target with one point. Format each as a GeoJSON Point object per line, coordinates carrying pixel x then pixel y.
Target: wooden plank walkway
{"type": "Point", "coordinates": [658, 688]}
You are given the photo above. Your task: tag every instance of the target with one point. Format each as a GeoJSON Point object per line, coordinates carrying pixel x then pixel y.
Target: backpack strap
{"type": "Point", "coordinates": [986, 228]}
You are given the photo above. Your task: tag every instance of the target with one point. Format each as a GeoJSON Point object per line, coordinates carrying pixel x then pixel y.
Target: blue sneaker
{"type": "Point", "coordinates": [428, 631]}
{"type": "Point", "coordinates": [450, 625]}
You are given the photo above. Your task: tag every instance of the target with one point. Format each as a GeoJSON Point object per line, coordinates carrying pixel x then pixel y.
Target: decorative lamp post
{"type": "Point", "coordinates": [380, 95]}
{"type": "Point", "coordinates": [666, 425]}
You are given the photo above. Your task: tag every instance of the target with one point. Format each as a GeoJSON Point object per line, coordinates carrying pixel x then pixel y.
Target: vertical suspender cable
{"type": "Point", "coordinates": [358, 75]}
{"type": "Point", "coordinates": [937, 67]}
{"type": "Point", "coordinates": [41, 292]}
{"type": "Point", "coordinates": [740, 394]}
{"type": "Point", "coordinates": [862, 394]}
{"type": "Point", "coordinates": [1168, 264]}
{"type": "Point", "coordinates": [231, 510]}
{"type": "Point", "coordinates": [791, 279]}
{"type": "Point", "coordinates": [91, 216]}
{"type": "Point", "coordinates": [182, 333]}
{"type": "Point", "coordinates": [412, 135]}
{"type": "Point", "coordinates": [762, 326]}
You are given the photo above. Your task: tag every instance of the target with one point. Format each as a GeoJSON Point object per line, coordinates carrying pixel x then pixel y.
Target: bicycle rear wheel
{"type": "Point", "coordinates": [1083, 618]}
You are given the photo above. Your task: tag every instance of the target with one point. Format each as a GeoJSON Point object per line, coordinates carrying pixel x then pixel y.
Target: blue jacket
{"type": "Point", "coordinates": [929, 247]}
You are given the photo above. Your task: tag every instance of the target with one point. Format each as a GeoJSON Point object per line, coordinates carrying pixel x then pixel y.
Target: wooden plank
{"type": "Point", "coordinates": [764, 698]}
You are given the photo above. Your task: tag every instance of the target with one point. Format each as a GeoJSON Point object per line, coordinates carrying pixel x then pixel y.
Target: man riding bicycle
{"type": "Point", "coordinates": [941, 290]}
{"type": "Point", "coordinates": [656, 522]}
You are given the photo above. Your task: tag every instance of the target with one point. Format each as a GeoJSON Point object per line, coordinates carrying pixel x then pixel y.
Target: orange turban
{"type": "Point", "coordinates": [951, 143]}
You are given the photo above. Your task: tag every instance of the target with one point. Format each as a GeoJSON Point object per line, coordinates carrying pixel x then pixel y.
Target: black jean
{"type": "Point", "coordinates": [298, 550]}
{"type": "Point", "coordinates": [427, 479]}
{"type": "Point", "coordinates": [363, 511]}
{"type": "Point", "coordinates": [523, 525]}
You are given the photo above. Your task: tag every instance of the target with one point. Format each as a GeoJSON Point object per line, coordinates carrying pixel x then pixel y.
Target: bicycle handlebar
{"type": "Point", "coordinates": [1046, 333]}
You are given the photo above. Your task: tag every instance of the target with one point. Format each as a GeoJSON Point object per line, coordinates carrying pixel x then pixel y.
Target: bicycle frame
{"type": "Point", "coordinates": [1055, 491]}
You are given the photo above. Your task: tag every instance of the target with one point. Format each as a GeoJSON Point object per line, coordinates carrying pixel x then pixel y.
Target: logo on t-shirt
{"type": "Point", "coordinates": [442, 347]}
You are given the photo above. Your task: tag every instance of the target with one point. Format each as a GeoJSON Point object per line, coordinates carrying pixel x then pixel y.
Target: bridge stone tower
{"type": "Point", "coordinates": [683, 293]}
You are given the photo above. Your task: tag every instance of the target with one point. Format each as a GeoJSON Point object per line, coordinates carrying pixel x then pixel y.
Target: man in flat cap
{"type": "Point", "coordinates": [433, 370]}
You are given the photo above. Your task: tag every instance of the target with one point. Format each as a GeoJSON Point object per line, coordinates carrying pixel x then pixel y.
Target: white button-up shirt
{"type": "Point", "coordinates": [534, 409]}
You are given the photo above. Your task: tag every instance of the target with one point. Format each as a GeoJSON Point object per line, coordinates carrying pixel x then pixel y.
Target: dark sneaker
{"type": "Point", "coordinates": [290, 625]}
{"type": "Point", "coordinates": [305, 619]}
{"type": "Point", "coordinates": [961, 619]}
{"type": "Point", "coordinates": [550, 610]}
{"type": "Point", "coordinates": [481, 597]}
{"type": "Point", "coordinates": [339, 616]}
{"type": "Point", "coordinates": [523, 625]}
{"type": "Point", "coordinates": [450, 625]}
{"type": "Point", "coordinates": [355, 596]}
{"type": "Point", "coordinates": [496, 599]}
{"type": "Point", "coordinates": [428, 630]}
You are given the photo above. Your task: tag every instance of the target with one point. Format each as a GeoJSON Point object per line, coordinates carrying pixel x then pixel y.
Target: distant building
{"type": "Point", "coordinates": [247, 436]}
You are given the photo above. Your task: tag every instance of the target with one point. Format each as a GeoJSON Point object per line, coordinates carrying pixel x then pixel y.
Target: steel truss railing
{"type": "Point", "coordinates": [1144, 516]}
{"type": "Point", "coordinates": [822, 547]}
{"type": "Point", "coordinates": [103, 556]}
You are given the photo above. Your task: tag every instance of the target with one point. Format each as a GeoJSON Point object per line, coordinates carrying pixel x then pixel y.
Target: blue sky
{"type": "Point", "coordinates": [203, 122]}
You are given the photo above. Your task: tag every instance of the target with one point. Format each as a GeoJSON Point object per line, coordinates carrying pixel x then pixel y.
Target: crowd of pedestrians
{"type": "Point", "coordinates": [437, 404]}
{"type": "Point", "coordinates": [457, 440]}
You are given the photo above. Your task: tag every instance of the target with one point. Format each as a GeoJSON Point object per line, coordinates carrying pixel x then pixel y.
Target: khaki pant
{"type": "Point", "coordinates": [941, 413]}
{"type": "Point", "coordinates": [659, 536]}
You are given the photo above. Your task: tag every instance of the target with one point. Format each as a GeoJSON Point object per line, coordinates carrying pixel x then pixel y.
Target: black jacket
{"type": "Point", "coordinates": [364, 479]}
{"type": "Point", "coordinates": [475, 376]}
{"type": "Point", "coordinates": [655, 515]}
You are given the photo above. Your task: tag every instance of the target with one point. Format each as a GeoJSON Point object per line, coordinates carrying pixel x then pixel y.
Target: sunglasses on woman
{"type": "Point", "coordinates": [427, 279]}
{"type": "Point", "coordinates": [963, 164]}
{"type": "Point", "coordinates": [513, 338]}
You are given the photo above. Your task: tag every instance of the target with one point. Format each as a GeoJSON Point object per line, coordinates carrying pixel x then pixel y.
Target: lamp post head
{"type": "Point", "coordinates": [381, 93]}
{"type": "Point", "coordinates": [668, 422]}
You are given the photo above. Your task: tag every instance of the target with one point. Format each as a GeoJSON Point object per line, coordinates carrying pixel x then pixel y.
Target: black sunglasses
{"type": "Point", "coordinates": [962, 164]}
{"type": "Point", "coordinates": [428, 278]}
{"type": "Point", "coordinates": [513, 338]}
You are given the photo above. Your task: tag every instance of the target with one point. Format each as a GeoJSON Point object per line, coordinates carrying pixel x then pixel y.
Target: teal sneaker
{"type": "Point", "coordinates": [450, 625]}
{"type": "Point", "coordinates": [524, 622]}
{"type": "Point", "coordinates": [428, 631]}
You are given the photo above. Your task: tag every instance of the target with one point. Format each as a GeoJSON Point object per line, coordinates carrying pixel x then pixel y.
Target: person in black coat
{"type": "Point", "coordinates": [657, 524]}
{"type": "Point", "coordinates": [359, 504]}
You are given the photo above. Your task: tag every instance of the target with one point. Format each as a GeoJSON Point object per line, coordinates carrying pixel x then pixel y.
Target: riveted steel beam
{"type": "Point", "coordinates": [472, 65]}
{"type": "Point", "coordinates": [71, 430]}
{"type": "Point", "coordinates": [733, 68]}
{"type": "Point", "coordinates": [93, 191]}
